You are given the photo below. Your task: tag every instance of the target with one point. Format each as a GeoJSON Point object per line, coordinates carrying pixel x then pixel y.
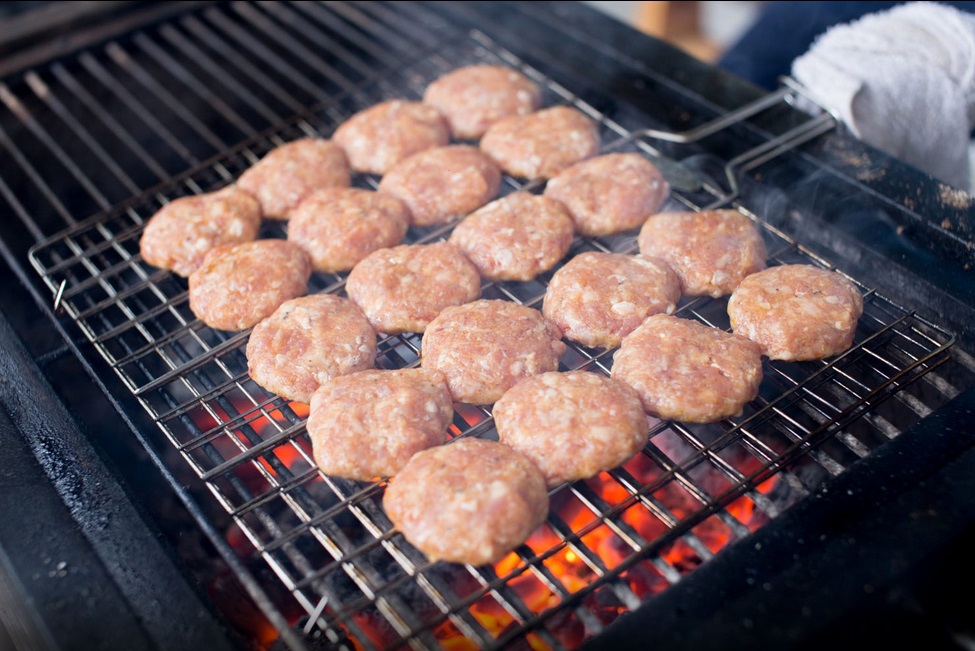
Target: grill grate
{"type": "Point", "coordinates": [611, 542]}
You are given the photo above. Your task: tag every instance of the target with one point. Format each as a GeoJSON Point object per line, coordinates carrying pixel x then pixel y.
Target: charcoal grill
{"type": "Point", "coordinates": [151, 102]}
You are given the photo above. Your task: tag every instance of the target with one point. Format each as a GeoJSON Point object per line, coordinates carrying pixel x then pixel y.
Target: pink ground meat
{"type": "Point", "coordinates": [542, 144]}
{"type": "Point", "coordinates": [292, 171]}
{"type": "Point", "coordinates": [686, 371]}
{"type": "Point", "coordinates": [307, 341]}
{"type": "Point", "coordinates": [711, 251]}
{"type": "Point", "coordinates": [598, 298]}
{"type": "Point", "coordinates": [180, 234]}
{"type": "Point", "coordinates": [367, 425]}
{"type": "Point", "coordinates": [797, 312]}
{"type": "Point", "coordinates": [474, 97]}
{"type": "Point", "coordinates": [573, 425]}
{"type": "Point", "coordinates": [487, 346]}
{"type": "Point", "coordinates": [516, 237]}
{"type": "Point", "coordinates": [611, 193]}
{"type": "Point", "coordinates": [471, 501]}
{"type": "Point", "coordinates": [378, 137]}
{"type": "Point", "coordinates": [238, 285]}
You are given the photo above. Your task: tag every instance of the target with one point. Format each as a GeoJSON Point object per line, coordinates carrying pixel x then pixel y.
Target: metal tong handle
{"type": "Point", "coordinates": [753, 157]}
{"type": "Point", "coordinates": [723, 122]}
{"type": "Point", "coordinates": [765, 152]}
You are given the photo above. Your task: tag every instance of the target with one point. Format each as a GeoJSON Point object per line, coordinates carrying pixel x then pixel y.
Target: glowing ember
{"type": "Point", "coordinates": [233, 602]}
{"type": "Point", "coordinates": [607, 548]}
{"type": "Point", "coordinates": [595, 526]}
{"type": "Point", "coordinates": [451, 639]}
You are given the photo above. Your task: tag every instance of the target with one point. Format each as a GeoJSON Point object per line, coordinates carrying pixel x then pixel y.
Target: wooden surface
{"type": "Point", "coordinates": [678, 23]}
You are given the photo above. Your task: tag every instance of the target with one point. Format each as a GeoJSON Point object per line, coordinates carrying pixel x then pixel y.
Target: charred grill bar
{"type": "Point", "coordinates": [162, 104]}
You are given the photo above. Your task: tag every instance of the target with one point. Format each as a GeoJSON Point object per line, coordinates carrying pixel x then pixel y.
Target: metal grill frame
{"type": "Point", "coordinates": [897, 346]}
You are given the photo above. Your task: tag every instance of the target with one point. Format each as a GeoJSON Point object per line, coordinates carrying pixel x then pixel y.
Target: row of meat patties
{"type": "Point", "coordinates": [441, 161]}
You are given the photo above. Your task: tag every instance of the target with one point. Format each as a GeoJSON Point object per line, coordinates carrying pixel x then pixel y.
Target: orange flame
{"type": "Point", "coordinates": [574, 565]}
{"type": "Point", "coordinates": [608, 549]}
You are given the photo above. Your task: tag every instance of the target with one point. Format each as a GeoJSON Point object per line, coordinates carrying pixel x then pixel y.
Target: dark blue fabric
{"type": "Point", "coordinates": [785, 30]}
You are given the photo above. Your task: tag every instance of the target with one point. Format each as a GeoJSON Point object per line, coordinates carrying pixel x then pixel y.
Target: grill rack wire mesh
{"type": "Point", "coordinates": [609, 544]}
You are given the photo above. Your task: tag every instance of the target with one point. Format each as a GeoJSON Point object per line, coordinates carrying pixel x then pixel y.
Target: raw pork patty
{"type": "Point", "coordinates": [307, 341]}
{"type": "Point", "coordinates": [572, 425]}
{"type": "Point", "coordinates": [402, 288]}
{"type": "Point", "coordinates": [516, 237]}
{"type": "Point", "coordinates": [598, 298]}
{"type": "Point", "coordinates": [181, 232]}
{"type": "Point", "coordinates": [474, 97]}
{"type": "Point", "coordinates": [541, 144]}
{"type": "Point", "coordinates": [368, 424]}
{"type": "Point", "coordinates": [470, 501]}
{"type": "Point", "coordinates": [443, 183]}
{"type": "Point", "coordinates": [797, 312]}
{"type": "Point", "coordinates": [289, 173]}
{"type": "Point", "coordinates": [340, 226]}
{"type": "Point", "coordinates": [380, 136]}
{"type": "Point", "coordinates": [711, 251]}
{"type": "Point", "coordinates": [686, 371]}
{"type": "Point", "coordinates": [238, 285]}
{"type": "Point", "coordinates": [610, 193]}
{"type": "Point", "coordinates": [487, 346]}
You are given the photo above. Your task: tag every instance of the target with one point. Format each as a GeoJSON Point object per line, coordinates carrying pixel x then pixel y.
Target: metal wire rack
{"type": "Point", "coordinates": [611, 542]}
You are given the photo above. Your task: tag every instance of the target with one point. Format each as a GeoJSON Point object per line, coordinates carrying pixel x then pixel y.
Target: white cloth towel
{"type": "Point", "coordinates": [902, 80]}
